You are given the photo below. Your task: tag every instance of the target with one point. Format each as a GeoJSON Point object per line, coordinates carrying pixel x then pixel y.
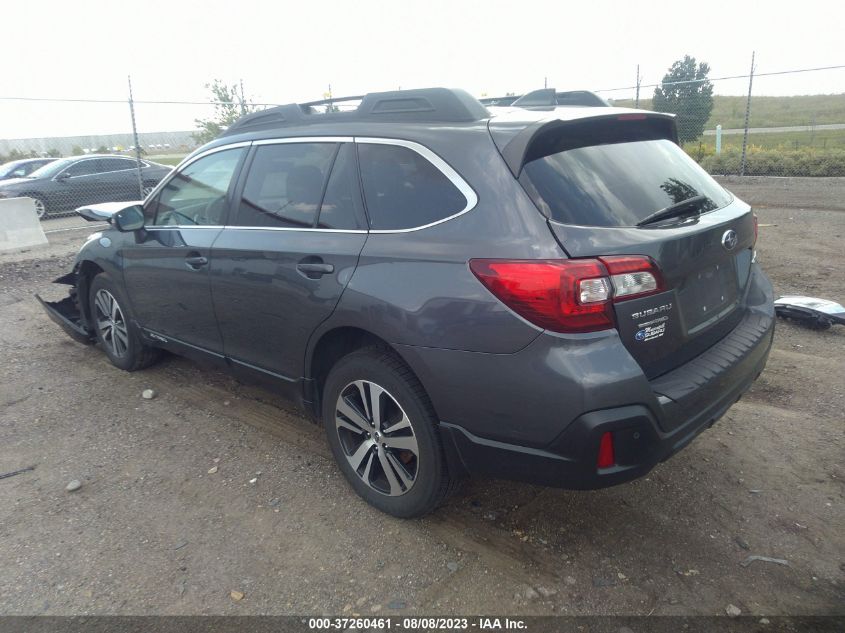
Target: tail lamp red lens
{"type": "Point", "coordinates": [606, 457]}
{"type": "Point", "coordinates": [568, 295]}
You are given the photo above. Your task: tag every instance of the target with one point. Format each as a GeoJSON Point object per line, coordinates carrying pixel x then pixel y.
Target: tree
{"type": "Point", "coordinates": [686, 91]}
{"type": "Point", "coordinates": [229, 106]}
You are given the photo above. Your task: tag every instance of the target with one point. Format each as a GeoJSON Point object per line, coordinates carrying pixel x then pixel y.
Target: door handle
{"type": "Point", "coordinates": [196, 262]}
{"type": "Point", "coordinates": [312, 270]}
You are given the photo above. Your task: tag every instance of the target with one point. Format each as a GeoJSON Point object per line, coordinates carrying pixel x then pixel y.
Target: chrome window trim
{"type": "Point", "coordinates": [181, 227]}
{"type": "Point", "coordinates": [103, 173]}
{"type": "Point", "coordinates": [444, 167]}
{"type": "Point", "coordinates": [160, 227]}
{"type": "Point", "coordinates": [188, 161]}
{"type": "Point", "coordinates": [466, 190]}
{"type": "Point", "coordinates": [305, 139]}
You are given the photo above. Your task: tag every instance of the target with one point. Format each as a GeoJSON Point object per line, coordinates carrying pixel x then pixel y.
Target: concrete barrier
{"type": "Point", "coordinates": [19, 225]}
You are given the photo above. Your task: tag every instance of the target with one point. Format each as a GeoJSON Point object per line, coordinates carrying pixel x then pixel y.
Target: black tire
{"type": "Point", "coordinates": [431, 480]}
{"type": "Point", "coordinates": [121, 341]}
{"type": "Point", "coordinates": [40, 206]}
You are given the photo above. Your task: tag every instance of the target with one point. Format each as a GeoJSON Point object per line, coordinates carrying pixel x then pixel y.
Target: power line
{"type": "Point", "coordinates": [123, 101]}
{"type": "Point", "coordinates": [172, 102]}
{"type": "Point", "coordinates": [696, 81]}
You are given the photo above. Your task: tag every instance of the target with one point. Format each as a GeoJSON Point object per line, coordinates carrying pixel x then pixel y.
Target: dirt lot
{"type": "Point", "coordinates": [153, 532]}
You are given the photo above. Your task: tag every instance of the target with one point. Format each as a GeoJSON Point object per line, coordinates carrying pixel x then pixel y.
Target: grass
{"type": "Point", "coordinates": [167, 159]}
{"type": "Point", "coordinates": [769, 111]}
{"type": "Point", "coordinates": [821, 139]}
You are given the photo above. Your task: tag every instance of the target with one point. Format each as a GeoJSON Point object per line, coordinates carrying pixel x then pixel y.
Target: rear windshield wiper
{"type": "Point", "coordinates": [693, 204]}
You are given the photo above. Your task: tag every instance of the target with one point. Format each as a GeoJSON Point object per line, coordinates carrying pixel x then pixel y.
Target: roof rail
{"type": "Point", "coordinates": [411, 106]}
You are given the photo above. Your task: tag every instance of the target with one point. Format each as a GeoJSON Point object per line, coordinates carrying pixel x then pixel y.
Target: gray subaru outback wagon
{"type": "Point", "coordinates": [557, 295]}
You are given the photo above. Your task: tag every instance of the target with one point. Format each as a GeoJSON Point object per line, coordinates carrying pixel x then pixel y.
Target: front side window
{"type": "Point", "coordinates": [196, 195]}
{"type": "Point", "coordinates": [405, 190]}
{"type": "Point", "coordinates": [285, 185]}
{"type": "Point", "coordinates": [84, 168]}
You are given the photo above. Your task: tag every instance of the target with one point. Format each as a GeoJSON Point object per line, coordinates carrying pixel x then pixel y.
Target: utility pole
{"type": "Point", "coordinates": [243, 100]}
{"type": "Point", "coordinates": [135, 140]}
{"type": "Point", "coordinates": [747, 115]}
{"type": "Point", "coordinates": [637, 98]}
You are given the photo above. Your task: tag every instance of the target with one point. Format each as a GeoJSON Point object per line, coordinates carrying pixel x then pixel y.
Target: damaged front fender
{"type": "Point", "coordinates": [66, 313]}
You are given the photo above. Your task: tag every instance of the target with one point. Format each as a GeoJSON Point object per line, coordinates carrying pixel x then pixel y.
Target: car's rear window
{"type": "Point", "coordinates": [618, 184]}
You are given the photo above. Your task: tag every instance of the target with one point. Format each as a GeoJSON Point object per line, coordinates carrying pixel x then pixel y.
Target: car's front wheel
{"type": "Point", "coordinates": [40, 208]}
{"type": "Point", "coordinates": [382, 431]}
{"type": "Point", "coordinates": [116, 333]}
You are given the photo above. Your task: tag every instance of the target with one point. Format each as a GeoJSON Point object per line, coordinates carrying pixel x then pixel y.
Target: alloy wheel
{"type": "Point", "coordinates": [111, 323]}
{"type": "Point", "coordinates": [40, 208]}
{"type": "Point", "coordinates": [377, 438]}
{"type": "Point", "coordinates": [146, 191]}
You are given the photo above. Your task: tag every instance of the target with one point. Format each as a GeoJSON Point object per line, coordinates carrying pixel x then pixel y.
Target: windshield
{"type": "Point", "coordinates": [51, 169]}
{"type": "Point", "coordinates": [618, 184]}
{"type": "Point", "coordinates": [7, 168]}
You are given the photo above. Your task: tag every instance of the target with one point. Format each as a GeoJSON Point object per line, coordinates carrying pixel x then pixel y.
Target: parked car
{"type": "Point", "coordinates": [23, 167]}
{"type": "Point", "coordinates": [67, 183]}
{"type": "Point", "coordinates": [562, 297]}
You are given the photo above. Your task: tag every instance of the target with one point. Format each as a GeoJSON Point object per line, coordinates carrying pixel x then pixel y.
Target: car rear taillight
{"type": "Point", "coordinates": [568, 295]}
{"type": "Point", "coordinates": [633, 276]}
{"type": "Point", "coordinates": [756, 228]}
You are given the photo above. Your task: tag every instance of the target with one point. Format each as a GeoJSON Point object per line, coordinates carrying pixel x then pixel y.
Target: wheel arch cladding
{"type": "Point", "coordinates": [333, 345]}
{"type": "Point", "coordinates": [85, 272]}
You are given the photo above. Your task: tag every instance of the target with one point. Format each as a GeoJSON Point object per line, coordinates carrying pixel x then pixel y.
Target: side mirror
{"type": "Point", "coordinates": [129, 219]}
{"type": "Point", "coordinates": [63, 176]}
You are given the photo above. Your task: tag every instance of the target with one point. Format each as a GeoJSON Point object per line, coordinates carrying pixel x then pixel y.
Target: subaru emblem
{"type": "Point", "coordinates": [730, 239]}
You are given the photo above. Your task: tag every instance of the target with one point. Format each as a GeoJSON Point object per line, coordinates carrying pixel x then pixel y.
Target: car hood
{"type": "Point", "coordinates": [11, 182]}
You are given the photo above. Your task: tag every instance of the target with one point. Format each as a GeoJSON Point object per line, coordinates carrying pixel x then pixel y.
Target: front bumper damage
{"type": "Point", "coordinates": [66, 313]}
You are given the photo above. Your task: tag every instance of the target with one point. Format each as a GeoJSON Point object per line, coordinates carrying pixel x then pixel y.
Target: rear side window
{"type": "Point", "coordinates": [117, 164]}
{"type": "Point", "coordinates": [403, 189]}
{"type": "Point", "coordinates": [617, 184]}
{"type": "Point", "coordinates": [285, 185]}
{"type": "Point", "coordinates": [341, 205]}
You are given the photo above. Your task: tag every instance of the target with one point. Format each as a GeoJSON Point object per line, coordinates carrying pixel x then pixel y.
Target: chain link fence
{"type": "Point", "coordinates": [109, 160]}
{"type": "Point", "coordinates": [745, 132]}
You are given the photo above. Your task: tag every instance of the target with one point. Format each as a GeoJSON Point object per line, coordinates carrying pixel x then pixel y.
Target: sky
{"type": "Point", "coordinates": [292, 51]}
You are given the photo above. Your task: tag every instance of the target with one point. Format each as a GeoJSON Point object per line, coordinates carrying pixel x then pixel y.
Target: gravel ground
{"type": "Point", "coordinates": [155, 529]}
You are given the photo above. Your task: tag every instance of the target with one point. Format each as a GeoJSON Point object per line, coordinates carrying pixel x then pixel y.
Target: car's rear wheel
{"type": "Point", "coordinates": [116, 333]}
{"type": "Point", "coordinates": [382, 431]}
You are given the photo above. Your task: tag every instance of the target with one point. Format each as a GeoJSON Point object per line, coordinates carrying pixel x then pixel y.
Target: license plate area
{"type": "Point", "coordinates": [708, 295]}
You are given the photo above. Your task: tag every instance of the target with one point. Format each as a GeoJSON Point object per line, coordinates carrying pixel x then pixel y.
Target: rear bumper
{"type": "Point", "coordinates": [681, 404]}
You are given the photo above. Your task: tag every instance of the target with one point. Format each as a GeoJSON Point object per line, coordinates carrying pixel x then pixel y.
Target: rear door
{"type": "Point", "coordinates": [280, 266]}
{"type": "Point", "coordinates": [598, 181]}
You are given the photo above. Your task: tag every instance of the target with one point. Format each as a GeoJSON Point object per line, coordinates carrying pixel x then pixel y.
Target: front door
{"type": "Point", "coordinates": [278, 269]}
{"type": "Point", "coordinates": [167, 271]}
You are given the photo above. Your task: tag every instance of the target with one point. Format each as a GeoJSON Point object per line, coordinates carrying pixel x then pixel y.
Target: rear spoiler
{"type": "Point", "coordinates": [515, 139]}
{"type": "Point", "coordinates": [549, 97]}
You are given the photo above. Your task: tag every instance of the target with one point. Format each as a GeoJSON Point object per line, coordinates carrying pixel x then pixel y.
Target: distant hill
{"type": "Point", "coordinates": [769, 111]}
